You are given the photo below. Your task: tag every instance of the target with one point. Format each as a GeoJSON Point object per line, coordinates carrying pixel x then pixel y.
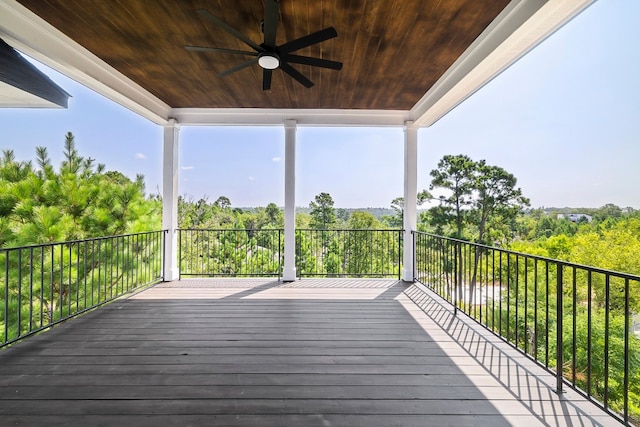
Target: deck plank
{"type": "Point", "coordinates": [260, 353]}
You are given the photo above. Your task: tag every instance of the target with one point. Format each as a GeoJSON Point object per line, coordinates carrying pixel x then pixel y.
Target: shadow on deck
{"type": "Point", "coordinates": [261, 353]}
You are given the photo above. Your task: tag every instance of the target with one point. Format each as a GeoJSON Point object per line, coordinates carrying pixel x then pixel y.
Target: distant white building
{"type": "Point", "coordinates": [575, 217]}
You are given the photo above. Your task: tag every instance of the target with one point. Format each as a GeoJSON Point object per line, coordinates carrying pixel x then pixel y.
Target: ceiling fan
{"type": "Point", "coordinates": [268, 55]}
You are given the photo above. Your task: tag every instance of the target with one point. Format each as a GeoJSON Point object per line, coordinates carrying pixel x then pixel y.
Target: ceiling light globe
{"type": "Point", "coordinates": [269, 61]}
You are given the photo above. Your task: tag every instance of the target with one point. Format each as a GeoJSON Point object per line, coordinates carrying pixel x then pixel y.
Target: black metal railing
{"type": "Point", "coordinates": [43, 285]}
{"type": "Point", "coordinates": [574, 320]}
{"type": "Point", "coordinates": [349, 253]}
{"type": "Point", "coordinates": [319, 253]}
{"type": "Point", "coordinates": [217, 252]}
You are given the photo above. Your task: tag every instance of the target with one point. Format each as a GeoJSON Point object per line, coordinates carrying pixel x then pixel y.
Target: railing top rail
{"type": "Point", "coordinates": [297, 229]}
{"type": "Point", "coordinates": [350, 229]}
{"type": "Point", "coordinates": [230, 229]}
{"type": "Point", "coordinates": [90, 239]}
{"type": "Point", "coordinates": [618, 274]}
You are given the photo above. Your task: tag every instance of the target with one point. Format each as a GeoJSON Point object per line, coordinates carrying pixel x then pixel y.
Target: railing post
{"type": "Point", "coordinates": [559, 337]}
{"type": "Point", "coordinates": [164, 254]}
{"type": "Point", "coordinates": [400, 235]}
{"type": "Point", "coordinates": [179, 253]}
{"type": "Point", "coordinates": [457, 273]}
{"type": "Point", "coordinates": [415, 269]}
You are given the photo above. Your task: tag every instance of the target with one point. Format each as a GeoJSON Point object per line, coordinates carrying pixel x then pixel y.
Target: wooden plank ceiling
{"type": "Point", "coordinates": [393, 50]}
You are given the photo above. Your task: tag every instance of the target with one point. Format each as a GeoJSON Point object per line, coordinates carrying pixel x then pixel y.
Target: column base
{"type": "Point", "coordinates": [407, 276]}
{"type": "Point", "coordinates": [289, 275]}
{"type": "Point", "coordinates": [171, 275]}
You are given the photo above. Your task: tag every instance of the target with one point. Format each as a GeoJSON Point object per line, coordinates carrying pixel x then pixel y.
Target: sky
{"type": "Point", "coordinates": [565, 120]}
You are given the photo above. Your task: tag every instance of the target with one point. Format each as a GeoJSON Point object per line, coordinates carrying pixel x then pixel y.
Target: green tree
{"type": "Point", "coordinates": [275, 216]}
{"type": "Point", "coordinates": [79, 200]}
{"type": "Point", "coordinates": [323, 215]}
{"type": "Point", "coordinates": [222, 202]}
{"type": "Point", "coordinates": [457, 176]}
{"type": "Point", "coordinates": [497, 198]}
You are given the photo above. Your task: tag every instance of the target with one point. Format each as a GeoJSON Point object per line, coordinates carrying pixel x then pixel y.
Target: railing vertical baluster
{"type": "Point", "coordinates": [118, 280]}
{"type": "Point", "coordinates": [508, 296]}
{"type": "Point", "coordinates": [19, 333]}
{"type": "Point", "coordinates": [41, 286]}
{"type": "Point", "coordinates": [77, 276]}
{"type": "Point", "coordinates": [589, 331]}
{"type": "Point", "coordinates": [493, 290]}
{"type": "Point", "coordinates": [458, 273]}
{"type": "Point", "coordinates": [500, 293]}
{"type": "Point", "coordinates": [84, 274]}
{"type": "Point", "coordinates": [30, 289]}
{"type": "Point", "coordinates": [559, 335]}
{"type": "Point", "coordinates": [111, 255]}
{"type": "Point", "coordinates": [70, 268]}
{"type": "Point", "coordinates": [61, 297]}
{"type": "Point", "coordinates": [124, 263]}
{"type": "Point", "coordinates": [6, 295]}
{"type": "Point", "coordinates": [525, 329]}
{"type": "Point", "coordinates": [93, 271]}
{"type": "Point", "coordinates": [51, 286]}
{"type": "Point", "coordinates": [574, 302]}
{"type": "Point", "coordinates": [535, 309]}
{"type": "Point", "coordinates": [99, 269]}
{"type": "Point", "coordinates": [546, 335]}
{"type": "Point", "coordinates": [517, 286]}
{"type": "Point", "coordinates": [607, 286]}
{"type": "Point", "coordinates": [627, 320]}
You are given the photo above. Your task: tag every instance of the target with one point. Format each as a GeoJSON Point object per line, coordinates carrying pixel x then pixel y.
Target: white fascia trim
{"type": "Point", "coordinates": [521, 26]}
{"type": "Point", "coordinates": [31, 35]}
{"type": "Point", "coordinates": [272, 117]}
{"type": "Point", "coordinates": [12, 97]}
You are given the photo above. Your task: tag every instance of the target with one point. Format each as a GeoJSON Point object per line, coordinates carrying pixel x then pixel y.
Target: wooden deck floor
{"type": "Point", "coordinates": [260, 353]}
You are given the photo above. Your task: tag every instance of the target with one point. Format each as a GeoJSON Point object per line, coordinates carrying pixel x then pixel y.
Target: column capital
{"type": "Point", "coordinates": [172, 123]}
{"type": "Point", "coordinates": [290, 124]}
{"type": "Point", "coordinates": [409, 124]}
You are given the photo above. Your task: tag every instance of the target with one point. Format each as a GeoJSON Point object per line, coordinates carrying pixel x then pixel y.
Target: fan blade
{"type": "Point", "coordinates": [219, 49]}
{"type": "Point", "coordinates": [308, 40]}
{"type": "Point", "coordinates": [238, 68]}
{"type": "Point", "coordinates": [296, 74]}
{"type": "Point", "coordinates": [206, 14]}
{"type": "Point", "coordinates": [271, 14]}
{"type": "Point", "coordinates": [316, 62]}
{"type": "Point", "coordinates": [266, 79]}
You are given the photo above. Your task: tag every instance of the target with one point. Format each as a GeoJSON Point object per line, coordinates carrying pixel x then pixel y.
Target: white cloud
{"type": "Point", "coordinates": [187, 168]}
{"type": "Point", "coordinates": [140, 156]}
{"type": "Point", "coordinates": [251, 178]}
{"type": "Point", "coordinates": [275, 159]}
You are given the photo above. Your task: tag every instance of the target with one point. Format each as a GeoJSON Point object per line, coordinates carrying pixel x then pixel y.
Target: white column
{"type": "Point", "coordinates": [289, 272]}
{"type": "Point", "coordinates": [410, 217]}
{"type": "Point", "coordinates": [170, 199]}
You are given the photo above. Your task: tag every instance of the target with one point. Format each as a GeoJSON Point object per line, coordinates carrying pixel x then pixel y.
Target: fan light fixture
{"type": "Point", "coordinates": [268, 55]}
{"type": "Point", "coordinates": [269, 61]}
